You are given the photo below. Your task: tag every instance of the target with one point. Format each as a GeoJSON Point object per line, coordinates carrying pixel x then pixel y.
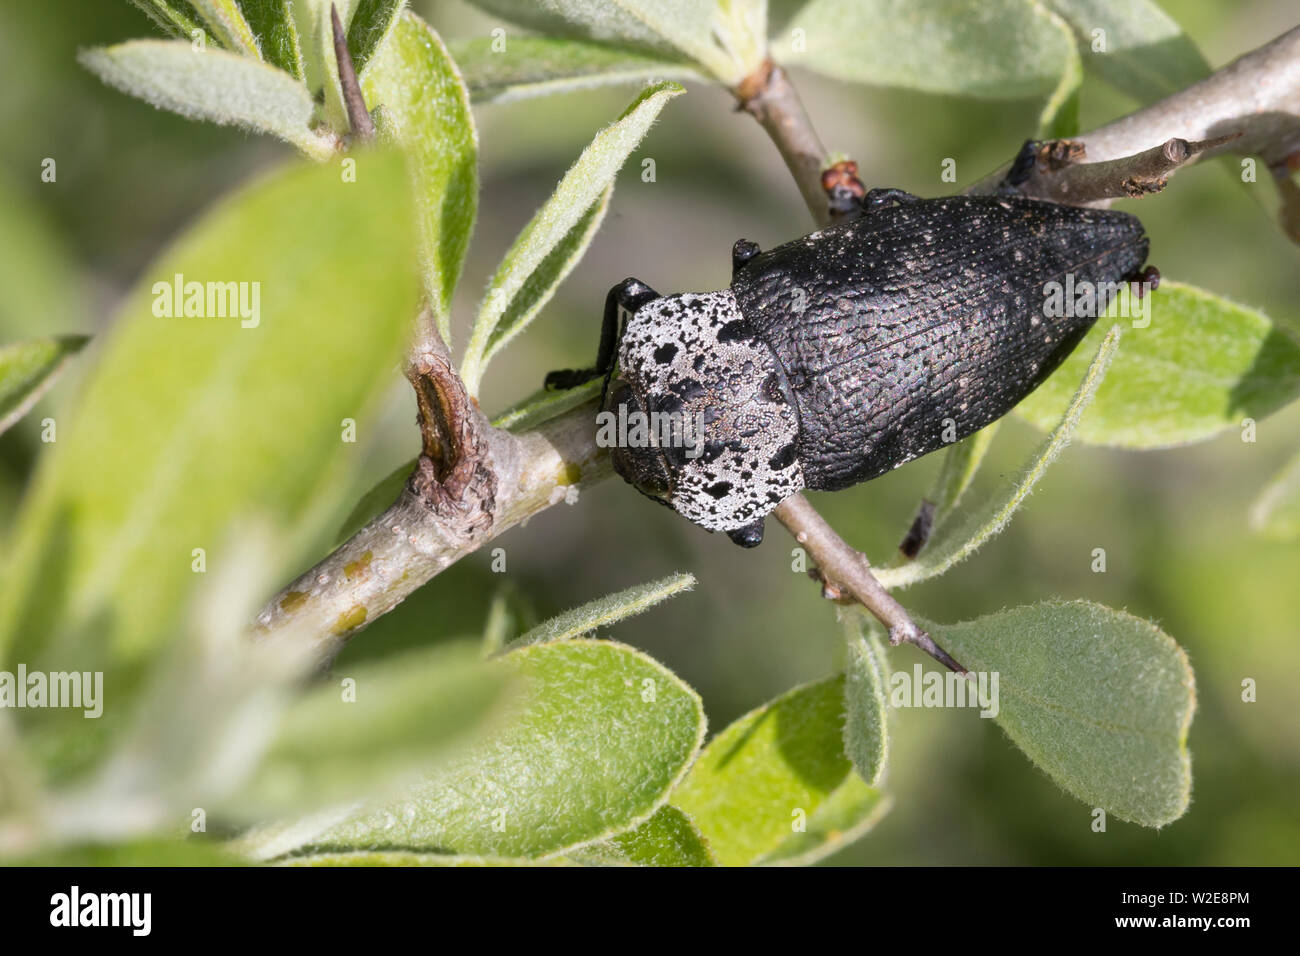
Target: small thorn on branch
{"type": "Point", "coordinates": [845, 572]}
{"type": "Point", "coordinates": [363, 127]}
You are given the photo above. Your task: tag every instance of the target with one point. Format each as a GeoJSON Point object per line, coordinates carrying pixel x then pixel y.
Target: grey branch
{"type": "Point", "coordinates": [844, 569]}
{"type": "Point", "coordinates": [1251, 107]}
{"type": "Point", "coordinates": [770, 98]}
{"type": "Point", "coordinates": [452, 506]}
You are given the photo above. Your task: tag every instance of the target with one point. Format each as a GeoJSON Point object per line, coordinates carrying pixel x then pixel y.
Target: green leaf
{"type": "Point", "coordinates": [1276, 512]}
{"type": "Point", "coordinates": [599, 741]}
{"type": "Point", "coordinates": [176, 18]}
{"type": "Point", "coordinates": [343, 741]}
{"type": "Point", "coordinates": [960, 463]}
{"type": "Point", "coordinates": [511, 316]}
{"type": "Point", "coordinates": [195, 424]}
{"type": "Point", "coordinates": [426, 108]}
{"type": "Point", "coordinates": [998, 49]}
{"type": "Point", "coordinates": [546, 404]}
{"type": "Point", "coordinates": [228, 23]}
{"type": "Point", "coordinates": [764, 777]}
{"type": "Point", "coordinates": [1144, 52]}
{"type": "Point", "coordinates": [843, 818]}
{"type": "Point", "coordinates": [372, 22]}
{"type": "Point", "coordinates": [272, 22]}
{"type": "Point", "coordinates": [667, 839]}
{"type": "Point", "coordinates": [28, 369]}
{"type": "Point", "coordinates": [724, 38]}
{"type": "Point", "coordinates": [144, 852]}
{"type": "Point", "coordinates": [1059, 117]}
{"type": "Point", "coordinates": [406, 858]}
{"type": "Point", "coordinates": [1201, 366]}
{"type": "Point", "coordinates": [955, 542]}
{"type": "Point", "coordinates": [866, 709]}
{"type": "Point", "coordinates": [1097, 698]}
{"type": "Point", "coordinates": [214, 85]}
{"type": "Point", "coordinates": [607, 610]}
{"type": "Point", "coordinates": [541, 66]}
{"type": "Point", "coordinates": [558, 234]}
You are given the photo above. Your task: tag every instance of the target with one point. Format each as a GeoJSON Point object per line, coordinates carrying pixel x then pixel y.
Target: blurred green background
{"type": "Point", "coordinates": [1173, 523]}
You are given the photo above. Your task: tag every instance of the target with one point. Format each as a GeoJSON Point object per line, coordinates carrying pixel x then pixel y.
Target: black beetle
{"type": "Point", "coordinates": [839, 356]}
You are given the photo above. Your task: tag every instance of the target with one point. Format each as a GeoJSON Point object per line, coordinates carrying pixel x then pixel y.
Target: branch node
{"type": "Point", "coordinates": [454, 478]}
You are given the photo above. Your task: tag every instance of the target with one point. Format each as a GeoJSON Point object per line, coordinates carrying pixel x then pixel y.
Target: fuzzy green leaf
{"type": "Point", "coordinates": [1097, 698]}
{"type": "Point", "coordinates": [512, 316]}
{"type": "Point", "coordinates": [176, 18]}
{"type": "Point", "coordinates": [607, 610]}
{"type": "Point", "coordinates": [145, 852]}
{"type": "Point", "coordinates": [394, 717]}
{"type": "Point", "coordinates": [762, 779]}
{"type": "Point", "coordinates": [272, 22]}
{"type": "Point", "coordinates": [228, 23]}
{"type": "Point", "coordinates": [542, 406]}
{"type": "Point", "coordinates": [1134, 45]}
{"type": "Point", "coordinates": [958, 540]}
{"type": "Point", "coordinates": [1059, 117]}
{"type": "Point", "coordinates": [541, 66]}
{"type": "Point", "coordinates": [1276, 512]}
{"type": "Point", "coordinates": [558, 234]}
{"type": "Point", "coordinates": [960, 463]}
{"type": "Point", "coordinates": [866, 709]}
{"type": "Point", "coordinates": [426, 108]}
{"type": "Point", "coordinates": [599, 741]}
{"type": "Point", "coordinates": [995, 48]}
{"type": "Point", "coordinates": [843, 818]}
{"type": "Point", "coordinates": [372, 22]}
{"type": "Point", "coordinates": [1201, 366]}
{"type": "Point", "coordinates": [213, 85]}
{"type": "Point", "coordinates": [667, 839]}
{"type": "Point", "coordinates": [28, 369]}
{"type": "Point", "coordinates": [327, 263]}
{"type": "Point", "coordinates": [725, 37]}
{"type": "Point", "coordinates": [407, 858]}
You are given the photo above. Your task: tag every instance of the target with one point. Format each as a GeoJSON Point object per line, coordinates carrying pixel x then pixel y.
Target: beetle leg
{"type": "Point", "coordinates": [742, 252]}
{"type": "Point", "coordinates": [1144, 279]}
{"type": "Point", "coordinates": [919, 533]}
{"type": "Point", "coordinates": [623, 300]}
{"type": "Point", "coordinates": [1018, 174]}
{"type": "Point", "coordinates": [750, 536]}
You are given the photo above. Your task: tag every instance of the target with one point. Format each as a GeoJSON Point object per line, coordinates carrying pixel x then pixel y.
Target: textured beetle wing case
{"type": "Point", "coordinates": [922, 312]}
